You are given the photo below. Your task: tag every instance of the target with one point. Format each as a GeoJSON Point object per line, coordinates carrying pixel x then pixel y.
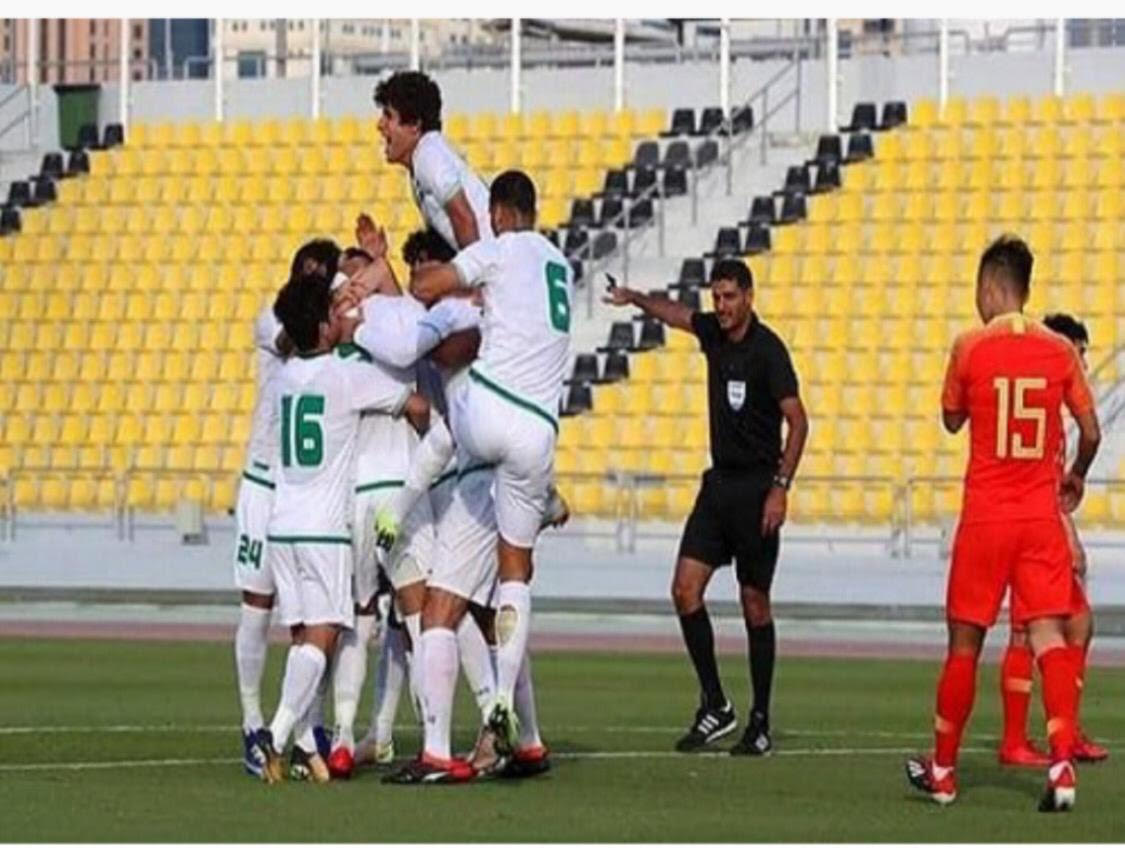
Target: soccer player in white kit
{"type": "Point", "coordinates": [506, 416]}
{"type": "Point", "coordinates": [252, 573]}
{"type": "Point", "coordinates": [319, 396]}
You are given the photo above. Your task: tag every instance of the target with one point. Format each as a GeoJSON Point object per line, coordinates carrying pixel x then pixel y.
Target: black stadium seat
{"type": "Point", "coordinates": [552, 235]}
{"type": "Point", "coordinates": [757, 240]}
{"type": "Point", "coordinates": [894, 114]}
{"type": "Point", "coordinates": [577, 268]}
{"type": "Point", "coordinates": [711, 121]}
{"type": "Point", "coordinates": [793, 209]}
{"type": "Point", "coordinates": [692, 274]}
{"type": "Point", "coordinates": [706, 153]}
{"type": "Point", "coordinates": [605, 244]}
{"type": "Point", "coordinates": [617, 364]}
{"type": "Point", "coordinates": [763, 210]}
{"type": "Point", "coordinates": [652, 335]}
{"type": "Point", "coordinates": [10, 222]}
{"type": "Point", "coordinates": [114, 135]}
{"type": "Point", "coordinates": [616, 184]}
{"type": "Point", "coordinates": [643, 180]}
{"type": "Point", "coordinates": [675, 182]}
{"type": "Point", "coordinates": [648, 154]}
{"type": "Point", "coordinates": [578, 399]}
{"type": "Point", "coordinates": [576, 240]}
{"type": "Point", "coordinates": [581, 213]}
{"type": "Point", "coordinates": [683, 123]}
{"type": "Point", "coordinates": [828, 149]}
{"type": "Point", "coordinates": [19, 193]}
{"type": "Point", "coordinates": [52, 166]}
{"type": "Point", "coordinates": [612, 214]}
{"type": "Point", "coordinates": [678, 155]}
{"type": "Point", "coordinates": [860, 147]}
{"type": "Point", "coordinates": [827, 178]}
{"type": "Point", "coordinates": [690, 298]}
{"type": "Point", "coordinates": [797, 180]}
{"type": "Point", "coordinates": [620, 337]}
{"type": "Point", "coordinates": [88, 137]}
{"type": "Point", "coordinates": [78, 163]}
{"type": "Point", "coordinates": [585, 368]}
{"type": "Point", "coordinates": [863, 117]}
{"type": "Point", "coordinates": [742, 120]}
{"type": "Point", "coordinates": [45, 192]}
{"type": "Point", "coordinates": [727, 243]}
{"type": "Point", "coordinates": [641, 213]}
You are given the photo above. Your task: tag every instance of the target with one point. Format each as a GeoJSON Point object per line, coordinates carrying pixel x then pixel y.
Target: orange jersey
{"type": "Point", "coordinates": [1011, 378]}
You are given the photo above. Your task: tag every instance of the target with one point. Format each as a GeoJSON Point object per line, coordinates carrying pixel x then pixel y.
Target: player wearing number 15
{"type": "Point", "coordinates": [1009, 379]}
{"type": "Point", "coordinates": [320, 393]}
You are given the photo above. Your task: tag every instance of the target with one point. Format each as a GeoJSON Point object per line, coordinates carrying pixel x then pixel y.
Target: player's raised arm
{"type": "Point", "coordinates": [670, 312]}
{"type": "Point", "coordinates": [434, 282]}
{"type": "Point", "coordinates": [461, 217]}
{"type": "Point", "coordinates": [1080, 402]}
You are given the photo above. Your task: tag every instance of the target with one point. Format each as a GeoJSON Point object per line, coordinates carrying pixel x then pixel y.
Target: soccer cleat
{"type": "Point", "coordinates": [920, 774]}
{"type": "Point", "coordinates": [756, 738]}
{"type": "Point", "coordinates": [484, 758]}
{"type": "Point", "coordinates": [1061, 791]}
{"type": "Point", "coordinates": [557, 511]}
{"type": "Point", "coordinates": [427, 770]}
{"type": "Point", "coordinates": [504, 724]}
{"type": "Point", "coordinates": [1023, 754]}
{"type": "Point", "coordinates": [371, 751]}
{"type": "Point", "coordinates": [527, 761]}
{"type": "Point", "coordinates": [273, 771]}
{"type": "Point", "coordinates": [341, 763]}
{"type": "Point", "coordinates": [386, 528]}
{"type": "Point", "coordinates": [253, 758]}
{"type": "Point", "coordinates": [1087, 751]}
{"type": "Point", "coordinates": [323, 740]}
{"type": "Point", "coordinates": [308, 767]}
{"type": "Point", "coordinates": [710, 724]}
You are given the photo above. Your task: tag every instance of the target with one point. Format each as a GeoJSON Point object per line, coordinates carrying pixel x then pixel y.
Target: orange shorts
{"type": "Point", "coordinates": [1031, 557]}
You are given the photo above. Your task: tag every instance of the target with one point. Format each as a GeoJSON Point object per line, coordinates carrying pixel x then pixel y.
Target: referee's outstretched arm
{"type": "Point", "coordinates": [670, 312]}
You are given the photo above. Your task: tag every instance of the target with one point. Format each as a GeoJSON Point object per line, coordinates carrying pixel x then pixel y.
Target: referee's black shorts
{"type": "Point", "coordinates": [726, 524]}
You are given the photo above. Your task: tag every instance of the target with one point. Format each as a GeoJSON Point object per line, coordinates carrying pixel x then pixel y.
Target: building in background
{"type": "Point", "coordinates": [190, 40]}
{"type": "Point", "coordinates": [72, 50]}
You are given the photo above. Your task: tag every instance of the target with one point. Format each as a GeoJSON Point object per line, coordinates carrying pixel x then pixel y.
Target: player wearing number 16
{"type": "Point", "coordinates": [1009, 379]}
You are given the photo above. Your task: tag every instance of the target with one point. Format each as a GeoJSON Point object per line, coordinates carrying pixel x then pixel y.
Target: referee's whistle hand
{"type": "Point", "coordinates": [618, 296]}
{"type": "Point", "coordinates": [773, 512]}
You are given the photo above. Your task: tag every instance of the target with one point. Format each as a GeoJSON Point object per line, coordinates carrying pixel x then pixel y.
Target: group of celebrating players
{"type": "Point", "coordinates": [400, 468]}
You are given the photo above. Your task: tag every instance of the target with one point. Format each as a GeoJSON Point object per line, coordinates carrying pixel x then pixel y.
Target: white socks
{"type": "Point", "coordinates": [430, 458]}
{"type": "Point", "coordinates": [304, 668]}
{"type": "Point", "coordinates": [524, 703]}
{"type": "Point", "coordinates": [351, 669]}
{"type": "Point", "coordinates": [413, 624]}
{"type": "Point", "coordinates": [476, 662]}
{"type": "Point", "coordinates": [439, 656]}
{"type": "Point", "coordinates": [390, 674]}
{"type": "Point", "coordinates": [513, 623]}
{"type": "Point", "coordinates": [250, 648]}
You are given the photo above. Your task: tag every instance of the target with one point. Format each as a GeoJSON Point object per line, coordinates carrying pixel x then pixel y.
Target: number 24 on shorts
{"type": "Point", "coordinates": [249, 551]}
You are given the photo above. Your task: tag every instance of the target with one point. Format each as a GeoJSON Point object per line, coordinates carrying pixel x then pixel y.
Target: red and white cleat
{"type": "Point", "coordinates": [921, 774]}
{"type": "Point", "coordinates": [428, 770]}
{"type": "Point", "coordinates": [1022, 754]}
{"type": "Point", "coordinates": [527, 761]}
{"type": "Point", "coordinates": [1061, 790]}
{"type": "Point", "coordinates": [341, 763]}
{"type": "Point", "coordinates": [1086, 750]}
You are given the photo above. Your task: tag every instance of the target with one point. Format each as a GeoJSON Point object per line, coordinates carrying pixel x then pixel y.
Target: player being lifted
{"type": "Point", "coordinates": [1017, 665]}
{"type": "Point", "coordinates": [319, 396]}
{"type": "Point", "coordinates": [1009, 379]}
{"type": "Point", "coordinates": [255, 503]}
{"type": "Point", "coordinates": [506, 416]}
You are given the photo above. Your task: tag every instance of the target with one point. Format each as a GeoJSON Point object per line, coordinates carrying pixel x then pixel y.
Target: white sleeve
{"type": "Point", "coordinates": [388, 331]}
{"type": "Point", "coordinates": [373, 390]}
{"type": "Point", "coordinates": [477, 262]}
{"type": "Point", "coordinates": [436, 171]}
{"type": "Point", "coordinates": [266, 330]}
{"type": "Point", "coordinates": [448, 316]}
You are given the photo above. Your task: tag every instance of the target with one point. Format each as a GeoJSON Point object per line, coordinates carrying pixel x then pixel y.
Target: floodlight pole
{"type": "Point", "coordinates": [619, 64]}
{"type": "Point", "coordinates": [123, 77]}
{"type": "Point", "coordinates": [315, 77]}
{"type": "Point", "coordinates": [724, 66]}
{"type": "Point", "coordinates": [217, 68]}
{"type": "Point", "coordinates": [415, 44]}
{"type": "Point", "coordinates": [32, 82]}
{"type": "Point", "coordinates": [516, 63]}
{"type": "Point", "coordinates": [833, 60]}
{"type": "Point", "coordinates": [943, 65]}
{"type": "Point", "coordinates": [1060, 57]}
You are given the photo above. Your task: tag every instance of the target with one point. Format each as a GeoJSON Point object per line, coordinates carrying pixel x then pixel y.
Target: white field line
{"type": "Point", "coordinates": [555, 729]}
{"type": "Point", "coordinates": [568, 756]}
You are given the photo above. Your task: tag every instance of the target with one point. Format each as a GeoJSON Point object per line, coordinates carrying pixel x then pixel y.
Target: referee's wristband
{"type": "Point", "coordinates": [782, 482]}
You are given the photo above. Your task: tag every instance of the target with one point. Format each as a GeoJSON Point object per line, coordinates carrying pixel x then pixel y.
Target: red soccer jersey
{"type": "Point", "coordinates": [1012, 377]}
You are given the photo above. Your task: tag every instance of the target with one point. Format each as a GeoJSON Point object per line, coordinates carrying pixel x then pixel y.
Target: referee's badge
{"type": "Point", "coordinates": [736, 394]}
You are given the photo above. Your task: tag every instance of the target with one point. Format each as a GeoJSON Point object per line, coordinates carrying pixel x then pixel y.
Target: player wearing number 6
{"type": "Point", "coordinates": [1009, 380]}
{"type": "Point", "coordinates": [507, 416]}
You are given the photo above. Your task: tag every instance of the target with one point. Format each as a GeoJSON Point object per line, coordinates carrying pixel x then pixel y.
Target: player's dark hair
{"type": "Point", "coordinates": [357, 252]}
{"type": "Point", "coordinates": [316, 256]}
{"type": "Point", "coordinates": [426, 245]}
{"type": "Point", "coordinates": [1009, 259]}
{"type": "Point", "coordinates": [1068, 326]}
{"type": "Point", "coordinates": [301, 306]}
{"type": "Point", "coordinates": [415, 97]}
{"type": "Point", "coordinates": [733, 270]}
{"type": "Point", "coordinates": [514, 189]}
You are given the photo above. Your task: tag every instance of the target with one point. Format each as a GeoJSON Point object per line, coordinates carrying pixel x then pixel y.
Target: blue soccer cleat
{"type": "Point", "coordinates": [323, 741]}
{"type": "Point", "coordinates": [253, 758]}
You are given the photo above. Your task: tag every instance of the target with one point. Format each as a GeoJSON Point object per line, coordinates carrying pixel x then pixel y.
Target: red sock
{"type": "Point", "coordinates": [956, 689]}
{"type": "Point", "coordinates": [1078, 660]}
{"type": "Point", "coordinates": [1060, 699]}
{"type": "Point", "coordinates": [1015, 692]}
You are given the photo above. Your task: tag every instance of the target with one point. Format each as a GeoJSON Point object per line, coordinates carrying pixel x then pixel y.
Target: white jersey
{"type": "Point", "coordinates": [319, 400]}
{"type": "Point", "coordinates": [261, 450]}
{"type": "Point", "coordinates": [385, 442]}
{"type": "Point", "coordinates": [527, 286]}
{"type": "Point", "coordinates": [437, 174]}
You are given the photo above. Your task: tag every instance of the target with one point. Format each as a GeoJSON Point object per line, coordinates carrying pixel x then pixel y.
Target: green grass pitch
{"type": "Point", "coordinates": [842, 729]}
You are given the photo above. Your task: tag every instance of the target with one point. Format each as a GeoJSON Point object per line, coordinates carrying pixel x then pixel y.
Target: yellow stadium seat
{"type": "Point", "coordinates": [593, 124]}
{"type": "Point", "coordinates": [651, 123]}
{"type": "Point", "coordinates": [924, 114]}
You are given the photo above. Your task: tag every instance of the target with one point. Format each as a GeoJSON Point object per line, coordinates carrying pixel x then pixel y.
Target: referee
{"type": "Point", "coordinates": [742, 500]}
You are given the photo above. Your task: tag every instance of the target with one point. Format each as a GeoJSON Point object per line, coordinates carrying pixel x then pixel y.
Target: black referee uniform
{"type": "Point", "coordinates": [746, 382]}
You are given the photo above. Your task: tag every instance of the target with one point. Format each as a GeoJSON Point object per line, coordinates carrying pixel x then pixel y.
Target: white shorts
{"type": "Point", "coordinates": [252, 568]}
{"type": "Point", "coordinates": [415, 543]}
{"type": "Point", "coordinates": [490, 427]}
{"type": "Point", "coordinates": [314, 582]}
{"type": "Point", "coordinates": [465, 551]}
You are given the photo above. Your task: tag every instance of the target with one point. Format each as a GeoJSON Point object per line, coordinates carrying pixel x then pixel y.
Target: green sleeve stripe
{"type": "Point", "coordinates": [518, 401]}
{"type": "Point", "coordinates": [375, 486]}
{"type": "Point", "coordinates": [323, 540]}
{"type": "Point", "coordinates": [257, 479]}
{"type": "Point", "coordinates": [445, 477]}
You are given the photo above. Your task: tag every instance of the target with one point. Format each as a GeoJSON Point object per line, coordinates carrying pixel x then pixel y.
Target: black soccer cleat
{"type": "Point", "coordinates": [426, 770]}
{"type": "Point", "coordinates": [756, 738]}
{"type": "Point", "coordinates": [711, 724]}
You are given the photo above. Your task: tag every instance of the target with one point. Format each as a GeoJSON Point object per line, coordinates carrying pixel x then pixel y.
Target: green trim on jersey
{"type": "Point", "coordinates": [475, 468]}
{"type": "Point", "coordinates": [257, 479]}
{"type": "Point", "coordinates": [445, 477]}
{"type": "Point", "coordinates": [351, 349]}
{"type": "Point", "coordinates": [260, 465]}
{"type": "Point", "coordinates": [378, 484]}
{"type": "Point", "coordinates": [321, 540]}
{"type": "Point", "coordinates": [518, 401]}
